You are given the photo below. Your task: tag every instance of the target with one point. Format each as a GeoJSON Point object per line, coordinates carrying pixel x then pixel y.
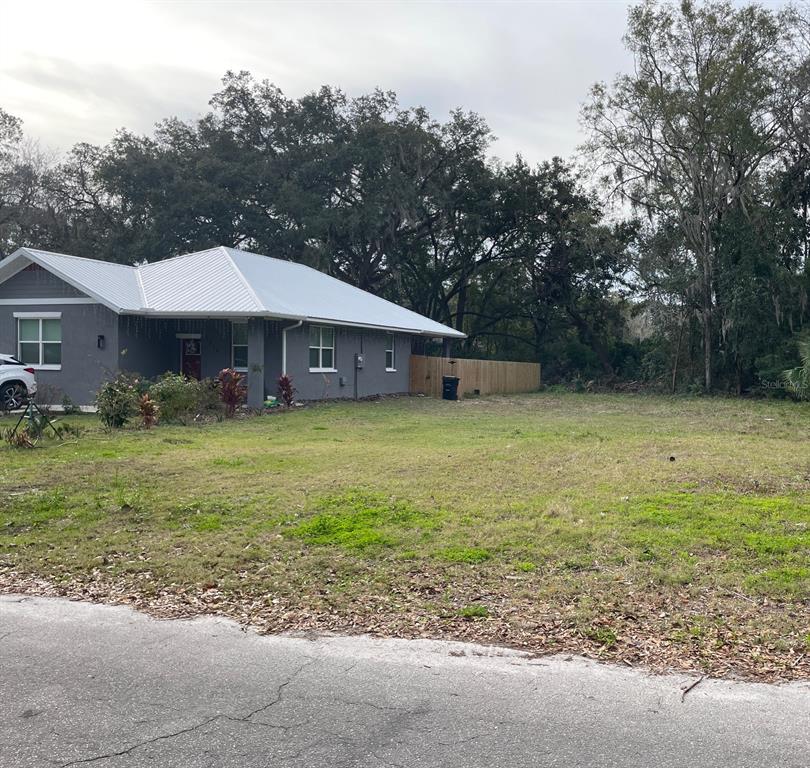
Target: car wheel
{"type": "Point", "coordinates": [12, 396]}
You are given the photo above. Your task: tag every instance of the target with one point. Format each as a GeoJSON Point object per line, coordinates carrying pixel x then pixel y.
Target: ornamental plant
{"type": "Point", "coordinates": [177, 397]}
{"type": "Point", "coordinates": [286, 390]}
{"type": "Point", "coordinates": [148, 410]}
{"type": "Point", "coordinates": [232, 390]}
{"type": "Point", "coordinates": [117, 401]}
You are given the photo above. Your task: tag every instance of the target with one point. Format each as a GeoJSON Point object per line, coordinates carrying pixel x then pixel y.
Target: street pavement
{"type": "Point", "coordinates": [84, 684]}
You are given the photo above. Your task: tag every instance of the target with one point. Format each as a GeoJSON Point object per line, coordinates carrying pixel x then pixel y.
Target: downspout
{"type": "Point", "coordinates": [284, 345]}
{"type": "Point", "coordinates": [356, 369]}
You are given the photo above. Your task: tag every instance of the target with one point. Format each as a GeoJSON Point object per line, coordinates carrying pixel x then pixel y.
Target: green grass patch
{"type": "Point", "coordinates": [602, 635]}
{"type": "Point", "coordinates": [474, 612]}
{"type": "Point", "coordinates": [472, 555]}
{"type": "Point", "coordinates": [565, 502]}
{"type": "Point", "coordinates": [357, 519]}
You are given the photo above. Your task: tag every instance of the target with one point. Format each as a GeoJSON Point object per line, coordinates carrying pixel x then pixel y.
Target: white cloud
{"type": "Point", "coordinates": [78, 71]}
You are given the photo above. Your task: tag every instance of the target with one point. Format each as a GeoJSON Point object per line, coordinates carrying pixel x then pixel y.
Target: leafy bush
{"type": "Point", "coordinates": [232, 390]}
{"type": "Point", "coordinates": [148, 410]}
{"type": "Point", "coordinates": [209, 404]}
{"type": "Point", "coordinates": [117, 401]}
{"type": "Point", "coordinates": [177, 397]}
{"type": "Point", "coordinates": [183, 401]}
{"type": "Point", "coordinates": [797, 380]}
{"type": "Point", "coordinates": [286, 390]}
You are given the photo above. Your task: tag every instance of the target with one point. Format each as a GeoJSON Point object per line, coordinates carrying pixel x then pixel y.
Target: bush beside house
{"type": "Point", "coordinates": [172, 399]}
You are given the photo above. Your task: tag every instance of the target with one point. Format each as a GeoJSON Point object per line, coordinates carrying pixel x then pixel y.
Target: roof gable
{"type": "Point", "coordinates": [35, 282]}
{"type": "Point", "coordinates": [114, 285]}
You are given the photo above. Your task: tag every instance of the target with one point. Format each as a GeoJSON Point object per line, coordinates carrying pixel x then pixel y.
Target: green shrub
{"type": "Point", "coordinates": [797, 380]}
{"type": "Point", "coordinates": [117, 401]}
{"type": "Point", "coordinates": [183, 401]}
{"type": "Point", "coordinates": [210, 403]}
{"type": "Point", "coordinates": [176, 396]}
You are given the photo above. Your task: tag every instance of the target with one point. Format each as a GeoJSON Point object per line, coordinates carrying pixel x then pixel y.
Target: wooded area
{"type": "Point", "coordinates": [672, 251]}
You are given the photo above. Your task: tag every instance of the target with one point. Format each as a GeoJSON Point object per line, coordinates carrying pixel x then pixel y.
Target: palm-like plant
{"type": "Point", "coordinates": [798, 379]}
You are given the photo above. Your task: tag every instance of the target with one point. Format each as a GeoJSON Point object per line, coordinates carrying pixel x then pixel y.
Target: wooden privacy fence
{"type": "Point", "coordinates": [481, 377]}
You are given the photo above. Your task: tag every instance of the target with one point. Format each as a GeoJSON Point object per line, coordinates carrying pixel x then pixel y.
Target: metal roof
{"type": "Point", "coordinates": [115, 285]}
{"type": "Point", "coordinates": [226, 282]}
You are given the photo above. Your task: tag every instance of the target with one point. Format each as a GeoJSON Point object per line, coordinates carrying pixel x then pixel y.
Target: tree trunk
{"type": "Point", "coordinates": [706, 317]}
{"type": "Point", "coordinates": [708, 305]}
{"type": "Point", "coordinates": [461, 307]}
{"type": "Point", "coordinates": [677, 357]}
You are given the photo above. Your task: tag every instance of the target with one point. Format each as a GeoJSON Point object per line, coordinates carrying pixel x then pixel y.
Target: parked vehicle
{"type": "Point", "coordinates": [17, 383]}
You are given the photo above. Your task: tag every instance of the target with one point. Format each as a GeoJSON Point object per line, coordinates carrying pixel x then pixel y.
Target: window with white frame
{"type": "Point", "coordinates": [39, 340]}
{"type": "Point", "coordinates": [390, 353]}
{"type": "Point", "coordinates": [239, 346]}
{"type": "Point", "coordinates": [321, 348]}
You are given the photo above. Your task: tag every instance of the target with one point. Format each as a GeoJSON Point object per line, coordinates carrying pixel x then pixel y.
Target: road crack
{"type": "Point", "coordinates": [279, 694]}
{"type": "Point", "coordinates": [245, 720]}
{"type": "Point", "coordinates": [147, 742]}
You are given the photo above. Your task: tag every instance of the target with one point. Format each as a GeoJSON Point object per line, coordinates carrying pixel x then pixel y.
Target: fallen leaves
{"type": "Point", "coordinates": [716, 635]}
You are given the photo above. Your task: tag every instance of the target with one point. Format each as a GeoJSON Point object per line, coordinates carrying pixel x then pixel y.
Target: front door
{"type": "Point", "coordinates": [191, 360]}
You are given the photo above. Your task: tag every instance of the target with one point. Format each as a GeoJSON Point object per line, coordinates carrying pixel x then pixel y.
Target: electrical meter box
{"type": "Point", "coordinates": [358, 361]}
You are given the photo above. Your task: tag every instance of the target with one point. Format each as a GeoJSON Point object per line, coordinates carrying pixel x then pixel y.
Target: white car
{"type": "Point", "coordinates": [17, 383]}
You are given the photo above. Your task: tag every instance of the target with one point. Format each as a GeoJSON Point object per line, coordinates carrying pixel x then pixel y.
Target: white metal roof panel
{"type": "Point", "coordinates": [227, 282]}
{"type": "Point", "coordinates": [206, 282]}
{"type": "Point", "coordinates": [295, 290]}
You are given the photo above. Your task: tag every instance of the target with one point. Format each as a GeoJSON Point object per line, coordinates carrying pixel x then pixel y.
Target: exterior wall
{"type": "Point", "coordinates": [150, 346]}
{"type": "Point", "coordinates": [372, 379]}
{"type": "Point", "coordinates": [84, 365]}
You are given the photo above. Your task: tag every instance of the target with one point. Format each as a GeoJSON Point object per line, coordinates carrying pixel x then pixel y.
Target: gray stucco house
{"type": "Point", "coordinates": [78, 321]}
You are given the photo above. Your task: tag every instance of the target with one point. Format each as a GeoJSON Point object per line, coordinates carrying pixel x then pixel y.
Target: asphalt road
{"type": "Point", "coordinates": [104, 686]}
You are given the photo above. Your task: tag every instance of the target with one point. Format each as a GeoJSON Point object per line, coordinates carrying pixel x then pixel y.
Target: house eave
{"type": "Point", "coordinates": [387, 328]}
{"type": "Point", "coordinates": [227, 315]}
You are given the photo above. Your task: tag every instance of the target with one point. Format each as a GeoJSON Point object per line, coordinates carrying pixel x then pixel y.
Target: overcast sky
{"type": "Point", "coordinates": [78, 71]}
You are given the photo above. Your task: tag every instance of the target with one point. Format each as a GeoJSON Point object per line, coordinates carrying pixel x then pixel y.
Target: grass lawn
{"type": "Point", "coordinates": [658, 531]}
